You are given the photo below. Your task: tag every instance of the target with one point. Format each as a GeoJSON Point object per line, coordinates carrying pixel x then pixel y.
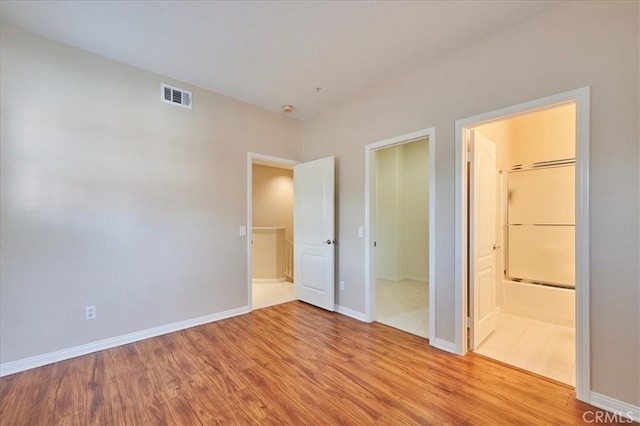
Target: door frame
{"type": "Point", "coordinates": [267, 160]}
{"type": "Point", "coordinates": [581, 97]}
{"type": "Point", "coordinates": [369, 220]}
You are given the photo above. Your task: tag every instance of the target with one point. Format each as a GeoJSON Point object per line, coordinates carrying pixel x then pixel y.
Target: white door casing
{"type": "Point", "coordinates": [483, 173]}
{"type": "Point", "coordinates": [314, 235]}
{"type": "Point", "coordinates": [582, 98]}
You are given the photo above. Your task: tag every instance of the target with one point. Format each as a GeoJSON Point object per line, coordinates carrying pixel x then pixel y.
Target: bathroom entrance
{"type": "Point", "coordinates": [522, 239]}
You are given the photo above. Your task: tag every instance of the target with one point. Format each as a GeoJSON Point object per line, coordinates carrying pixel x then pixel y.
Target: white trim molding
{"type": "Point", "coordinates": [369, 203]}
{"type": "Point", "coordinates": [581, 97]}
{"type": "Point", "coordinates": [63, 354]}
{"type": "Point", "coordinates": [351, 313]}
{"type": "Point", "coordinates": [620, 408]}
{"type": "Point", "coordinates": [443, 345]}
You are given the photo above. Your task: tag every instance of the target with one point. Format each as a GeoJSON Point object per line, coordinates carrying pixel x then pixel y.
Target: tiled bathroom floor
{"type": "Point", "coordinates": [403, 305]}
{"type": "Point", "coordinates": [542, 348]}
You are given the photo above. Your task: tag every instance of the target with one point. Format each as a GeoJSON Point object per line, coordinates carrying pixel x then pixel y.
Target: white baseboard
{"type": "Point", "coordinates": [12, 367]}
{"type": "Point", "coordinates": [351, 313]}
{"type": "Point", "coordinates": [444, 345]}
{"type": "Point", "coordinates": [268, 280]}
{"type": "Point", "coordinates": [617, 407]}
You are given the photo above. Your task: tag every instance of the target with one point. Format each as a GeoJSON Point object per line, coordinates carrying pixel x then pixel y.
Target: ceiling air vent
{"type": "Point", "coordinates": [175, 96]}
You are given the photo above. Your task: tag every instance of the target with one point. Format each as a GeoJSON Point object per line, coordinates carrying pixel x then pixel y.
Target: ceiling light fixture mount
{"type": "Point", "coordinates": [287, 108]}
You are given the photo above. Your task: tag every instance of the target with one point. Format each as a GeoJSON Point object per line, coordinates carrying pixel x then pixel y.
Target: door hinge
{"type": "Point", "coordinates": [468, 320]}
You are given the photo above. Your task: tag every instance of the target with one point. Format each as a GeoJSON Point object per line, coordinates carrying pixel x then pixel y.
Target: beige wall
{"type": "Point", "coordinates": [272, 197]}
{"type": "Point", "coordinates": [402, 212]}
{"type": "Point", "coordinates": [387, 233]}
{"type": "Point", "coordinates": [567, 47]}
{"type": "Point", "coordinates": [543, 136]}
{"type": "Point", "coordinates": [111, 197]}
{"type": "Point", "coordinates": [415, 210]}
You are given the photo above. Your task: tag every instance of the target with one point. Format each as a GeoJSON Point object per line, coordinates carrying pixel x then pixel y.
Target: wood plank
{"type": "Point", "coordinates": [287, 364]}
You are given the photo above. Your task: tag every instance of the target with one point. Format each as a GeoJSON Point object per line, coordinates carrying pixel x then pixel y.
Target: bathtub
{"type": "Point", "coordinates": [549, 304]}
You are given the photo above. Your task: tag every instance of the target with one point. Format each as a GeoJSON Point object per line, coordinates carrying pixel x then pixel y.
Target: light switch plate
{"type": "Point", "coordinates": [243, 230]}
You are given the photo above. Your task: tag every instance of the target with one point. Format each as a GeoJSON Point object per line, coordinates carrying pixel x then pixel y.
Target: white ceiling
{"type": "Point", "coordinates": [271, 53]}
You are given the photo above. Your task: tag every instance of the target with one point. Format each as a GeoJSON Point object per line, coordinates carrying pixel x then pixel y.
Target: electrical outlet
{"type": "Point", "coordinates": [90, 312]}
{"type": "Point", "coordinates": [341, 285]}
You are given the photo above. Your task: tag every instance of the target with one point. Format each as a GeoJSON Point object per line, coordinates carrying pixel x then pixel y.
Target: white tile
{"type": "Point", "coordinates": [554, 374]}
{"type": "Point", "coordinates": [403, 305]}
{"type": "Point", "coordinates": [542, 348]}
{"type": "Point", "coordinates": [525, 353]}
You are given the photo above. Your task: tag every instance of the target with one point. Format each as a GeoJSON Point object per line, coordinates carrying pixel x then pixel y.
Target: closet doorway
{"type": "Point", "coordinates": [400, 232]}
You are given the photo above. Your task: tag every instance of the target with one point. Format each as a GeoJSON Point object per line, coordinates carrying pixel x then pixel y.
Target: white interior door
{"type": "Point", "coordinates": [314, 239]}
{"type": "Point", "coordinates": [482, 231]}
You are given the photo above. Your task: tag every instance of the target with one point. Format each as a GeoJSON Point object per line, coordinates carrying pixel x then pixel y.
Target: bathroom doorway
{"type": "Point", "coordinates": [522, 240]}
{"type": "Point", "coordinates": [400, 228]}
{"type": "Point", "coordinates": [271, 230]}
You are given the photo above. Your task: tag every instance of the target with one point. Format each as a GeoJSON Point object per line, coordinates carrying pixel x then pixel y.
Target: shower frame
{"type": "Point", "coordinates": [504, 193]}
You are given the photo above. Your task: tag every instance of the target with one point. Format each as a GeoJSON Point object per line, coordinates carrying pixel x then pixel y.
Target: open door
{"type": "Point", "coordinates": [314, 239]}
{"type": "Point", "coordinates": [482, 231]}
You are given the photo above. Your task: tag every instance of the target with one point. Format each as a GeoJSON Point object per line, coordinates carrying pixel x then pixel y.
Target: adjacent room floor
{"type": "Point", "coordinates": [542, 348]}
{"type": "Point", "coordinates": [403, 305]}
{"type": "Point", "coordinates": [269, 294]}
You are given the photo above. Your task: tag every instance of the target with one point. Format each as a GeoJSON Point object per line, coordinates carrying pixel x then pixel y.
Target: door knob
{"type": "Point", "coordinates": [496, 246]}
{"type": "Point", "coordinates": [329, 242]}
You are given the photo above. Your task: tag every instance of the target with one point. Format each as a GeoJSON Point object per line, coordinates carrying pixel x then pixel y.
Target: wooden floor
{"type": "Point", "coordinates": [287, 364]}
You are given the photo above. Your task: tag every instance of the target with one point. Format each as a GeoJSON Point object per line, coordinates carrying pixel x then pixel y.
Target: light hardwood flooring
{"type": "Point", "coordinates": [286, 364]}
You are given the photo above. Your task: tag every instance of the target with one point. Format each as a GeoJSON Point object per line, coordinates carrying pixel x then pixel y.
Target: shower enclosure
{"type": "Point", "coordinates": [540, 224]}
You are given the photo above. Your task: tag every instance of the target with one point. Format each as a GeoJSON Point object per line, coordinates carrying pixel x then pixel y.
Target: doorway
{"type": "Point", "coordinates": [522, 241]}
{"type": "Point", "coordinates": [400, 232]}
{"type": "Point", "coordinates": [310, 257]}
{"type": "Point", "coordinates": [270, 230]}
{"type": "Point", "coordinates": [557, 246]}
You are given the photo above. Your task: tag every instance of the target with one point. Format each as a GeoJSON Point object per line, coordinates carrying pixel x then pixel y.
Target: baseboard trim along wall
{"type": "Point", "coordinates": [443, 345]}
{"type": "Point", "coordinates": [63, 354]}
{"type": "Point", "coordinates": [616, 407]}
{"type": "Point", "coordinates": [351, 313]}
{"type": "Point", "coordinates": [619, 408]}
